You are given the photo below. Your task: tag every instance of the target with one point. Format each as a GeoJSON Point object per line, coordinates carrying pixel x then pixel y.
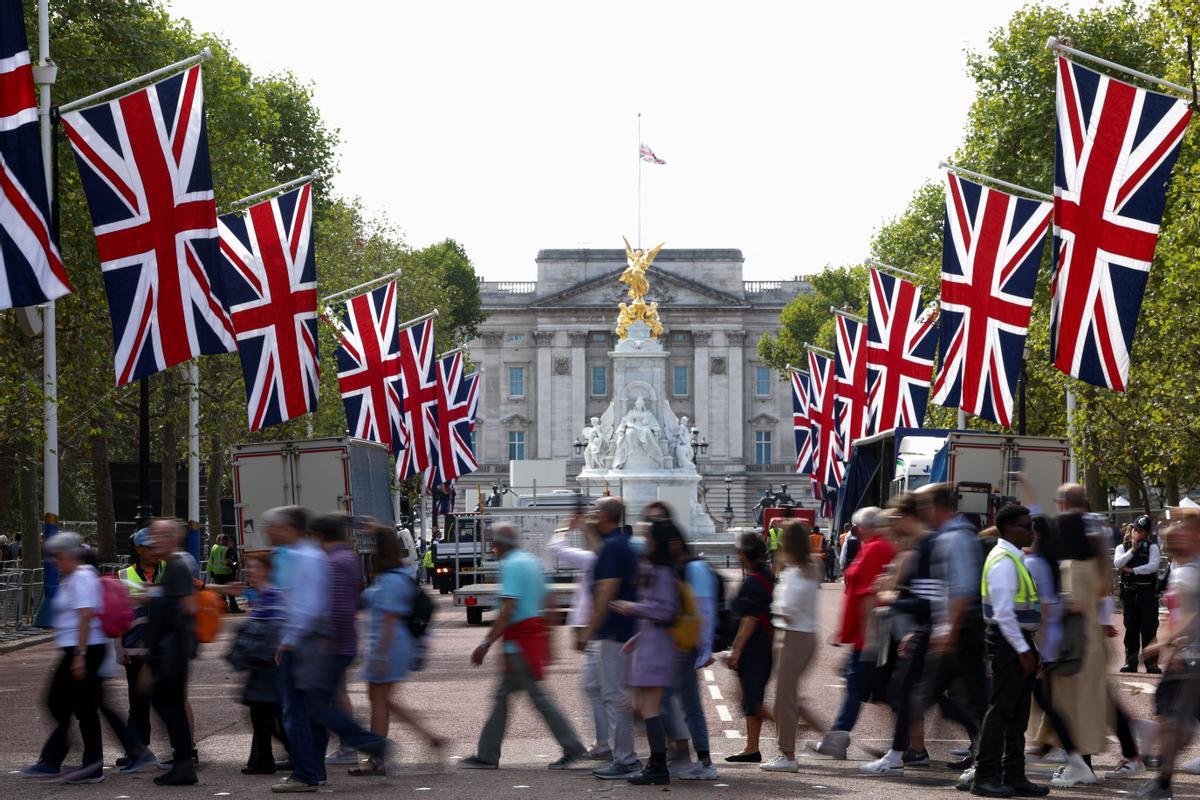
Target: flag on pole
{"type": "Point", "coordinates": [270, 282]}
{"type": "Point", "coordinates": [458, 399]}
{"type": "Point", "coordinates": [990, 256]}
{"type": "Point", "coordinates": [901, 339]}
{"type": "Point", "coordinates": [646, 154]}
{"type": "Point", "coordinates": [1115, 148]}
{"type": "Point", "coordinates": [31, 269]}
{"type": "Point", "coordinates": [822, 420]}
{"type": "Point", "coordinates": [368, 358]}
{"type": "Point", "coordinates": [800, 422]}
{"type": "Point", "coordinates": [850, 383]}
{"type": "Point", "coordinates": [419, 400]}
{"type": "Point", "coordinates": [143, 160]}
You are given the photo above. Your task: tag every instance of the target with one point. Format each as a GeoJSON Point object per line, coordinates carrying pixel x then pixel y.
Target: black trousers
{"type": "Point", "coordinates": [67, 697]}
{"type": "Point", "coordinates": [169, 701]}
{"type": "Point", "coordinates": [957, 682]}
{"type": "Point", "coordinates": [266, 720]}
{"type": "Point", "coordinates": [139, 704]}
{"type": "Point", "coordinates": [1001, 756]}
{"type": "Point", "coordinates": [1140, 606]}
{"type": "Point", "coordinates": [903, 693]}
{"type": "Point", "coordinates": [220, 580]}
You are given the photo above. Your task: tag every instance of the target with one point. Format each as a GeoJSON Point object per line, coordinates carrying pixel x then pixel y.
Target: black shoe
{"type": "Point", "coordinates": [655, 774]}
{"type": "Point", "coordinates": [915, 758]}
{"type": "Point", "coordinates": [283, 766]}
{"type": "Point", "coordinates": [1129, 668]}
{"type": "Point", "coordinates": [962, 764]}
{"type": "Point", "coordinates": [1155, 670]}
{"type": "Point", "coordinates": [123, 761]}
{"type": "Point", "coordinates": [258, 770]}
{"type": "Point", "coordinates": [178, 776]}
{"type": "Point", "coordinates": [744, 758]}
{"type": "Point", "coordinates": [991, 790]}
{"type": "Point", "coordinates": [1025, 788]}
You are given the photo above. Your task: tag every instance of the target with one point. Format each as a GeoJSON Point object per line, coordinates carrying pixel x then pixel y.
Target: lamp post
{"type": "Point", "coordinates": [728, 501]}
{"type": "Point", "coordinates": [1022, 380]}
{"type": "Point", "coordinates": [578, 444]}
{"type": "Point", "coordinates": [699, 446]}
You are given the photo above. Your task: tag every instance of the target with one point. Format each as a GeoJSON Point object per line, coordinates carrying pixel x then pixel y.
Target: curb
{"type": "Point", "coordinates": [28, 641]}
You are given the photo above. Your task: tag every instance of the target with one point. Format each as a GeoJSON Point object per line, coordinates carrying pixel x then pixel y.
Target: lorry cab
{"type": "Point", "coordinates": [914, 462]}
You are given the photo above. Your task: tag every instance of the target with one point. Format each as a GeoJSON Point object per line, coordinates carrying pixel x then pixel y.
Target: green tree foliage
{"type": "Point", "coordinates": [263, 130]}
{"type": "Point", "coordinates": [1153, 430]}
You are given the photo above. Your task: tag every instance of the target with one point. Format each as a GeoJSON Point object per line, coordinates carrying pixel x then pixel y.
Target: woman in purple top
{"type": "Point", "coordinates": [653, 646]}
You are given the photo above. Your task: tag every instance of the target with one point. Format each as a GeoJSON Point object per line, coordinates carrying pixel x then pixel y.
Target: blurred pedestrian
{"type": "Point", "coordinates": [750, 656]}
{"type": "Point", "coordinates": [345, 586]}
{"type": "Point", "coordinates": [1137, 560]}
{"type": "Point", "coordinates": [139, 578]}
{"type": "Point", "coordinates": [794, 610]}
{"type": "Point", "coordinates": [391, 647]}
{"type": "Point", "coordinates": [522, 626]}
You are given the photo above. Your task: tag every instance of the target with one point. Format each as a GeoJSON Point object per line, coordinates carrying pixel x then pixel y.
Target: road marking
{"type": "Point", "coordinates": [723, 713]}
{"type": "Point", "coordinates": [715, 692]}
{"type": "Point", "coordinates": [709, 675]}
{"type": "Point", "coordinates": [520, 786]}
{"type": "Point", "coordinates": [733, 734]}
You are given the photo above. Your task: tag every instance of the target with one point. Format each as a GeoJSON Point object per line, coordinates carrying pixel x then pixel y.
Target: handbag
{"type": "Point", "coordinates": [255, 644]}
{"type": "Point", "coordinates": [1073, 647]}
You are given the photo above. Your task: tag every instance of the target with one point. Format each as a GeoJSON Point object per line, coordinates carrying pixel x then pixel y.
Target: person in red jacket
{"type": "Point", "coordinates": [875, 554]}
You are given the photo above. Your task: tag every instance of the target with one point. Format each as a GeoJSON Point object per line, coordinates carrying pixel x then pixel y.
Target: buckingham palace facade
{"type": "Point", "coordinates": [543, 356]}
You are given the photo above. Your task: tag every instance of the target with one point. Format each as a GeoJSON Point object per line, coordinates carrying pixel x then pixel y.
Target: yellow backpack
{"type": "Point", "coordinates": [685, 630]}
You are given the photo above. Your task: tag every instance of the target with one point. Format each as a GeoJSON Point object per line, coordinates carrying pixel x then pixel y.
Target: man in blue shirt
{"type": "Point", "coordinates": [614, 578]}
{"type": "Point", "coordinates": [520, 622]}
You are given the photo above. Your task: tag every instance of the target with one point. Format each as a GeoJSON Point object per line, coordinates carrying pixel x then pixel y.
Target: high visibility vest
{"type": "Point", "coordinates": [134, 580]}
{"type": "Point", "coordinates": [428, 560]}
{"type": "Point", "coordinates": [132, 641]}
{"type": "Point", "coordinates": [773, 539]}
{"type": "Point", "coordinates": [217, 560]}
{"type": "Point", "coordinates": [1025, 602]}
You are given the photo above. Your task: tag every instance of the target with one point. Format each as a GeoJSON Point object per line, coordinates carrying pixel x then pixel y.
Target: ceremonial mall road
{"type": "Point", "coordinates": [456, 697]}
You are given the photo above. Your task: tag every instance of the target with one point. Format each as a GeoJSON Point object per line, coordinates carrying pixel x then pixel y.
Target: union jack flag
{"type": "Point", "coordinates": [850, 385]}
{"type": "Point", "coordinates": [646, 154]}
{"type": "Point", "coordinates": [143, 160]}
{"type": "Point", "coordinates": [1115, 148]}
{"type": "Point", "coordinates": [270, 281]}
{"type": "Point", "coordinates": [901, 339]}
{"type": "Point", "coordinates": [990, 256]}
{"type": "Point", "coordinates": [419, 400]}
{"type": "Point", "coordinates": [31, 270]}
{"type": "Point", "coordinates": [458, 399]}
{"type": "Point", "coordinates": [822, 420]}
{"type": "Point", "coordinates": [368, 357]}
{"type": "Point", "coordinates": [800, 422]}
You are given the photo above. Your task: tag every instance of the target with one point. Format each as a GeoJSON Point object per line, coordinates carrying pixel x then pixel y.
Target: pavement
{"type": "Point", "coordinates": [455, 697]}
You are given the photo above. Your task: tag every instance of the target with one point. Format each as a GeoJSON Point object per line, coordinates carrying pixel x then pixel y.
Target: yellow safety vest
{"type": "Point", "coordinates": [773, 539]}
{"type": "Point", "coordinates": [428, 560]}
{"type": "Point", "coordinates": [134, 580]}
{"type": "Point", "coordinates": [1025, 602]}
{"type": "Point", "coordinates": [217, 563]}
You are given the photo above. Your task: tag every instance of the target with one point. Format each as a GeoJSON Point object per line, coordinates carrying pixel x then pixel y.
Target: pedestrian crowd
{"type": "Point", "coordinates": [1004, 631]}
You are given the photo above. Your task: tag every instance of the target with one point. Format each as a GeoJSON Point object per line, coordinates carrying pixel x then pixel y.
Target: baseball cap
{"type": "Point", "coordinates": [141, 538]}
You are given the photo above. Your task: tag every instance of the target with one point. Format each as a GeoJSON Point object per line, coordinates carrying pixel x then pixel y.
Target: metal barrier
{"type": "Point", "coordinates": [21, 593]}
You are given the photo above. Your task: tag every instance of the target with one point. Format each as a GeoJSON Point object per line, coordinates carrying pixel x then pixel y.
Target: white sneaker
{"type": "Point", "coordinates": [342, 755]}
{"type": "Point", "coordinates": [1127, 768]}
{"type": "Point", "coordinates": [1191, 767]}
{"type": "Point", "coordinates": [881, 766]}
{"type": "Point", "coordinates": [1072, 775]}
{"type": "Point", "coordinates": [780, 763]}
{"type": "Point", "coordinates": [699, 772]}
{"type": "Point", "coordinates": [1055, 756]}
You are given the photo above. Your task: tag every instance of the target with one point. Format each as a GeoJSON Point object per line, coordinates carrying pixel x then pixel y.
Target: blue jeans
{"type": "Point", "coordinates": [300, 730]}
{"type": "Point", "coordinates": [858, 674]}
{"type": "Point", "coordinates": [688, 689]}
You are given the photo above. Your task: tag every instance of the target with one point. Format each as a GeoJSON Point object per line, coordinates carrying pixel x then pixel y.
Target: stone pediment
{"type": "Point", "coordinates": [665, 289]}
{"type": "Point", "coordinates": [516, 419]}
{"type": "Point", "coordinates": [763, 419]}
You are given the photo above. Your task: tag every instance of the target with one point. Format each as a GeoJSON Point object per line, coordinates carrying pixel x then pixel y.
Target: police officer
{"type": "Point", "coordinates": [220, 568]}
{"type": "Point", "coordinates": [145, 572]}
{"type": "Point", "coordinates": [773, 539]}
{"type": "Point", "coordinates": [1137, 560]}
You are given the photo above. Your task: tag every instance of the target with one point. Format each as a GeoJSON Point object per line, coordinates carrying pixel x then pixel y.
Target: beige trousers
{"type": "Point", "coordinates": [793, 653]}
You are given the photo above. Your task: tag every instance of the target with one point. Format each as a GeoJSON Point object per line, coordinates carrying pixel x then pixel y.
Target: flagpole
{"type": "Point", "coordinates": [193, 487]}
{"type": "Point", "coordinates": [790, 368]}
{"type": "Point", "coordinates": [353, 289]}
{"type": "Point", "coordinates": [946, 165]}
{"type": "Point", "coordinates": [877, 264]}
{"type": "Point", "coordinates": [280, 189]}
{"type": "Point", "coordinates": [838, 312]}
{"type": "Point", "coordinates": [1054, 43]}
{"type": "Point", "coordinates": [449, 353]}
{"type": "Point", "coordinates": [820, 350]}
{"type": "Point", "coordinates": [203, 55]}
{"type": "Point", "coordinates": [639, 165]}
{"type": "Point", "coordinates": [1072, 465]}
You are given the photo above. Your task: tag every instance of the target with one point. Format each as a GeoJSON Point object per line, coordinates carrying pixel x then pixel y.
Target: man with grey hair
{"type": "Point", "coordinates": [864, 523]}
{"type": "Point", "coordinates": [522, 626]}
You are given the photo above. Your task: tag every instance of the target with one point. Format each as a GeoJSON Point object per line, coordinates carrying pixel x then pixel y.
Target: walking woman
{"type": "Point", "coordinates": [653, 666]}
{"type": "Point", "coordinates": [750, 656]}
{"type": "Point", "coordinates": [794, 610]}
{"type": "Point", "coordinates": [391, 648]}
{"type": "Point", "coordinates": [261, 693]}
{"type": "Point", "coordinates": [74, 688]}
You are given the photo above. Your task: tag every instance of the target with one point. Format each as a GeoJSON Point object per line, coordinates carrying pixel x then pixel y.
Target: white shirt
{"type": "Point", "coordinates": [1002, 591]}
{"type": "Point", "coordinates": [795, 600]}
{"type": "Point", "coordinates": [79, 590]}
{"type": "Point", "coordinates": [582, 560]}
{"type": "Point", "coordinates": [1123, 556]}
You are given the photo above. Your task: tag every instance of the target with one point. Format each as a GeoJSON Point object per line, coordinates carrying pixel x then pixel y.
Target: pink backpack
{"type": "Point", "coordinates": [117, 615]}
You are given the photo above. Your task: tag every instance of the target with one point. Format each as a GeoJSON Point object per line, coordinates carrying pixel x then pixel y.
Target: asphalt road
{"type": "Point", "coordinates": [455, 696]}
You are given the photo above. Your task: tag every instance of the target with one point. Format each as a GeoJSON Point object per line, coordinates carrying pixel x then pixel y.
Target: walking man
{"type": "Point", "coordinates": [139, 578]}
{"type": "Point", "coordinates": [1136, 559]}
{"type": "Point", "coordinates": [520, 623]}
{"type": "Point", "coordinates": [1012, 615]}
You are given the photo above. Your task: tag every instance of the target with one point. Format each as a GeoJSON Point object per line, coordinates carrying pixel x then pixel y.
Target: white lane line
{"type": "Point", "coordinates": [733, 734]}
{"type": "Point", "coordinates": [714, 691]}
{"type": "Point", "coordinates": [709, 675]}
{"type": "Point", "coordinates": [723, 713]}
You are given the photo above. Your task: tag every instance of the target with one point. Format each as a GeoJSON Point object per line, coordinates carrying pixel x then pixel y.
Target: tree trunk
{"type": "Point", "coordinates": [1172, 488]}
{"type": "Point", "coordinates": [212, 491]}
{"type": "Point", "coordinates": [170, 445]}
{"type": "Point", "coordinates": [31, 512]}
{"type": "Point", "coordinates": [8, 489]}
{"type": "Point", "coordinates": [1139, 497]}
{"type": "Point", "coordinates": [106, 523]}
{"type": "Point", "coordinates": [1096, 491]}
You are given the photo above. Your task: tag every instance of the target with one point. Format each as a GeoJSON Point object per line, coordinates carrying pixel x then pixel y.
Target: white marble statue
{"type": "Point", "coordinates": [638, 435]}
{"type": "Point", "coordinates": [597, 445]}
{"type": "Point", "coordinates": [682, 443]}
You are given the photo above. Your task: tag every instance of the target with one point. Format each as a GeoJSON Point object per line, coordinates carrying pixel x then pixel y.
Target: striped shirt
{"type": "Point", "coordinates": [266, 603]}
{"type": "Point", "coordinates": [345, 586]}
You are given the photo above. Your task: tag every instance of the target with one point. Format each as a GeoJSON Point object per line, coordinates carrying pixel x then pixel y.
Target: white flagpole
{"type": "Point", "coordinates": [639, 165]}
{"type": "Point", "coordinates": [280, 189]}
{"type": "Point", "coordinates": [1054, 43]}
{"type": "Point", "coordinates": [962, 419]}
{"type": "Point", "coordinates": [871, 262]}
{"type": "Point", "coordinates": [353, 289]}
{"type": "Point", "coordinates": [1073, 465]}
{"type": "Point", "coordinates": [957, 170]}
{"type": "Point", "coordinates": [837, 312]}
{"type": "Point", "coordinates": [44, 74]}
{"type": "Point", "coordinates": [820, 350]}
{"type": "Point", "coordinates": [203, 55]}
{"type": "Point", "coordinates": [193, 487]}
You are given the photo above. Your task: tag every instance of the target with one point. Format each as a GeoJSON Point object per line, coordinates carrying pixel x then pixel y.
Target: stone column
{"type": "Point", "coordinates": [735, 359]}
{"type": "Point", "coordinates": [544, 380]}
{"type": "Point", "coordinates": [580, 386]}
{"type": "Point", "coordinates": [700, 384]}
{"type": "Point", "coordinates": [493, 442]}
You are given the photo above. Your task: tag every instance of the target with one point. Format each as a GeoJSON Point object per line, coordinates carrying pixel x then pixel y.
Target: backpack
{"type": "Point", "coordinates": [209, 608]}
{"type": "Point", "coordinates": [422, 613]}
{"type": "Point", "coordinates": [685, 630]}
{"type": "Point", "coordinates": [116, 616]}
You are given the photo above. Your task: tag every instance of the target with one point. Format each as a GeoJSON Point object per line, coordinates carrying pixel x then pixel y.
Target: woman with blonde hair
{"type": "Point", "coordinates": [794, 607]}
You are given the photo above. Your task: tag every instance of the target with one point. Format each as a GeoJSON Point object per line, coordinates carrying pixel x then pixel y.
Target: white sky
{"type": "Point", "coordinates": [791, 130]}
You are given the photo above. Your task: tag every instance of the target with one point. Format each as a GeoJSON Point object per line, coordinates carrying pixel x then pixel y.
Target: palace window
{"type": "Point", "coordinates": [601, 338]}
{"type": "Point", "coordinates": [515, 338]}
{"type": "Point", "coordinates": [679, 381]}
{"type": "Point", "coordinates": [516, 381]}
{"type": "Point", "coordinates": [762, 381]}
{"type": "Point", "coordinates": [516, 445]}
{"type": "Point", "coordinates": [762, 447]}
{"type": "Point", "coordinates": [599, 381]}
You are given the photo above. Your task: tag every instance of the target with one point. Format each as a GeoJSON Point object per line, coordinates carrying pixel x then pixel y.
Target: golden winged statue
{"type": "Point", "coordinates": [635, 278]}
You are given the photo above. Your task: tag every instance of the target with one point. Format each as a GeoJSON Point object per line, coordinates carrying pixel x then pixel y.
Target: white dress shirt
{"type": "Point", "coordinates": [1002, 592]}
{"type": "Point", "coordinates": [1123, 556]}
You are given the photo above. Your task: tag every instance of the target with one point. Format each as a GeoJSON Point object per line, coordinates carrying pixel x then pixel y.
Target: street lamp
{"type": "Point", "coordinates": [698, 445]}
{"type": "Point", "coordinates": [728, 501]}
{"type": "Point", "coordinates": [578, 444]}
{"type": "Point", "coordinates": [1022, 380]}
